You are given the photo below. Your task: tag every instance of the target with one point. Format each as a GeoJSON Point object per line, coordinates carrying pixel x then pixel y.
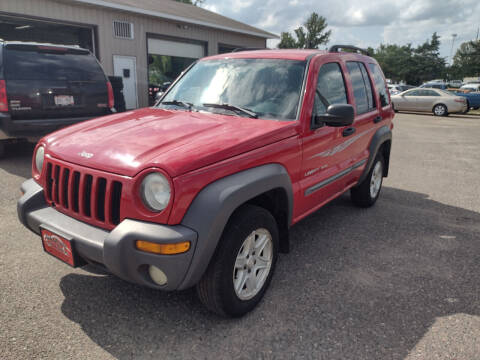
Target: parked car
{"type": "Point", "coordinates": [455, 83]}
{"type": "Point", "coordinates": [434, 85]}
{"type": "Point", "coordinates": [394, 89]}
{"type": "Point", "coordinates": [44, 87]}
{"type": "Point", "coordinates": [471, 87]}
{"type": "Point", "coordinates": [201, 189]}
{"type": "Point", "coordinates": [439, 102]}
{"type": "Point", "coordinates": [473, 98]}
{"type": "Point", "coordinates": [398, 88]}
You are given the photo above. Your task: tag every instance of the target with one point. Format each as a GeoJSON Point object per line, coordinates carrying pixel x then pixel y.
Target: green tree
{"type": "Point", "coordinates": [309, 36]}
{"type": "Point", "coordinates": [412, 65]}
{"type": "Point", "coordinates": [466, 61]}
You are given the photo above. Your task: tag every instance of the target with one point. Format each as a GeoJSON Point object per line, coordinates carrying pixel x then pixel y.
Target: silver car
{"type": "Point", "coordinates": [439, 102]}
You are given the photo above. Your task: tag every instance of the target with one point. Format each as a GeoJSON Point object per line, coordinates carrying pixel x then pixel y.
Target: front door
{"type": "Point", "coordinates": [126, 68]}
{"type": "Point", "coordinates": [324, 160]}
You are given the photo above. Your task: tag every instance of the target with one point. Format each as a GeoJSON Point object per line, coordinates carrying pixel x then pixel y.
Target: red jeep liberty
{"type": "Point", "coordinates": [202, 188]}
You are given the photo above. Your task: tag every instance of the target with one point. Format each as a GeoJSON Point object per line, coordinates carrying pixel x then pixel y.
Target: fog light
{"type": "Point", "coordinates": [157, 275]}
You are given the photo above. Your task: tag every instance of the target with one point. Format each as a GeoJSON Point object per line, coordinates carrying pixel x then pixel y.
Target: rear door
{"type": "Point", "coordinates": [46, 82]}
{"type": "Point", "coordinates": [366, 118]}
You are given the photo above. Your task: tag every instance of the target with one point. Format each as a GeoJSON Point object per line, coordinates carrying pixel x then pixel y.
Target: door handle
{"type": "Point", "coordinates": [349, 131]}
{"type": "Point", "coordinates": [377, 119]}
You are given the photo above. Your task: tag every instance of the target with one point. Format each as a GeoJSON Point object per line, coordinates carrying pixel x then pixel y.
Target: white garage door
{"type": "Point", "coordinates": [175, 48]}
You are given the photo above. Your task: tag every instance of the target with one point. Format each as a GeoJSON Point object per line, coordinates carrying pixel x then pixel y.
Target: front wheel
{"type": "Point", "coordinates": [242, 267]}
{"type": "Point", "coordinates": [440, 110]}
{"type": "Point", "coordinates": [2, 149]}
{"type": "Point", "coordinates": [367, 192]}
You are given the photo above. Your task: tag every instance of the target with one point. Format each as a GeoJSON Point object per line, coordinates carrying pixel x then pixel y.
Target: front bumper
{"type": "Point", "coordinates": [115, 249]}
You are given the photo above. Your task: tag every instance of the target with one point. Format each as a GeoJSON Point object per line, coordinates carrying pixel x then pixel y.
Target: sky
{"type": "Point", "coordinates": [363, 23]}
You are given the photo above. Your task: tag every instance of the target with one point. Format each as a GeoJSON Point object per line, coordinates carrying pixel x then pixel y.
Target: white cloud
{"type": "Point", "coordinates": [363, 23]}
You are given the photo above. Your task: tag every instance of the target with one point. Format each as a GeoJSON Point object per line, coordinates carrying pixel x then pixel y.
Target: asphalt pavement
{"type": "Point", "coordinates": [396, 281]}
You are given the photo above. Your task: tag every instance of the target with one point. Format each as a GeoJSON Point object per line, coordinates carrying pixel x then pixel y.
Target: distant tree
{"type": "Point", "coordinates": [412, 65]}
{"type": "Point", "coordinates": [466, 61]}
{"type": "Point", "coordinates": [194, 2]}
{"type": "Point", "coordinates": [309, 36]}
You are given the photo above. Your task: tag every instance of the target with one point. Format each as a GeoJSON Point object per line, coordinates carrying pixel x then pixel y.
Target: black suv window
{"type": "Point", "coordinates": [330, 88]}
{"type": "Point", "coordinates": [380, 84]}
{"type": "Point", "coordinates": [31, 64]}
{"type": "Point", "coordinates": [362, 90]}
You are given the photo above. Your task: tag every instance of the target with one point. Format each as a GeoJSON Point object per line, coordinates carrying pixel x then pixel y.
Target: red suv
{"type": "Point", "coordinates": [202, 188]}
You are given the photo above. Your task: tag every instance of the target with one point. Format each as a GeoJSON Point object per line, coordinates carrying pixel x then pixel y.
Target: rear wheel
{"type": "Point", "coordinates": [440, 110]}
{"type": "Point", "coordinates": [367, 192]}
{"type": "Point", "coordinates": [242, 267]}
{"type": "Point", "coordinates": [2, 148]}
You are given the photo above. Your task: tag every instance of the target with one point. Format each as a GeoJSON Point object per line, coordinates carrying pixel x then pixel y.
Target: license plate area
{"type": "Point", "coordinates": [59, 246]}
{"type": "Point", "coordinates": [64, 100]}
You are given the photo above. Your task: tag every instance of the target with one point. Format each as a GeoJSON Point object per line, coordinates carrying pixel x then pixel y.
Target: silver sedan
{"type": "Point", "coordinates": [439, 102]}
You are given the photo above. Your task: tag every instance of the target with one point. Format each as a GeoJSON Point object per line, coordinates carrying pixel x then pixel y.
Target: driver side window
{"type": "Point", "coordinates": [330, 88]}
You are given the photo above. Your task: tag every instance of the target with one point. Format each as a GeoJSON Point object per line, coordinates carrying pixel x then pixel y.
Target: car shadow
{"type": "Point", "coordinates": [456, 116]}
{"type": "Point", "coordinates": [358, 283]}
{"type": "Point", "coordinates": [18, 159]}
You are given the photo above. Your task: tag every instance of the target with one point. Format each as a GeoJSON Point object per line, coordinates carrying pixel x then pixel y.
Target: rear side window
{"type": "Point", "coordinates": [362, 89]}
{"type": "Point", "coordinates": [330, 88]}
{"type": "Point", "coordinates": [29, 64]}
{"type": "Point", "coordinates": [380, 84]}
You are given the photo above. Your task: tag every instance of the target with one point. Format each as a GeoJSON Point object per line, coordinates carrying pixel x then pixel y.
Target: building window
{"type": "Point", "coordinates": [122, 29]}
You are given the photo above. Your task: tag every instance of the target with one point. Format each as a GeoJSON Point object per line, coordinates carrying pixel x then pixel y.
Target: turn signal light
{"type": "Point", "coordinates": [163, 249]}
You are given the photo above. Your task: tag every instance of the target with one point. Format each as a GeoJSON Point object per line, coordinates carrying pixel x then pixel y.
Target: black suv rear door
{"type": "Point", "coordinates": [46, 82]}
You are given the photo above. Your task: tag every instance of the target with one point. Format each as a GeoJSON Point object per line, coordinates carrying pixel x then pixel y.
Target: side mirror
{"type": "Point", "coordinates": [337, 115]}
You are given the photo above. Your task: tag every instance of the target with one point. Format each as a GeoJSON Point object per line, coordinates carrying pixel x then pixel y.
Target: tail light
{"type": "Point", "coordinates": [3, 96]}
{"type": "Point", "coordinates": [111, 100]}
{"type": "Point", "coordinates": [462, 100]}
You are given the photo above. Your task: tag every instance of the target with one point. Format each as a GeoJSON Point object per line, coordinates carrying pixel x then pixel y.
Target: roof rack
{"type": "Point", "coordinates": [247, 49]}
{"type": "Point", "coordinates": [335, 48]}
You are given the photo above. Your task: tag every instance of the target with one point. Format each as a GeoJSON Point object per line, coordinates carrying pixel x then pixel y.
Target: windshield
{"type": "Point", "coordinates": [270, 88]}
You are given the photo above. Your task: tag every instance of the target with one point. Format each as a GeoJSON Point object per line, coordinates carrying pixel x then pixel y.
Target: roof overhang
{"type": "Point", "coordinates": [160, 14]}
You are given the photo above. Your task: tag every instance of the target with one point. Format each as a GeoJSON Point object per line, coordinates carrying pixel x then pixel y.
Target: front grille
{"type": "Point", "coordinates": [82, 194]}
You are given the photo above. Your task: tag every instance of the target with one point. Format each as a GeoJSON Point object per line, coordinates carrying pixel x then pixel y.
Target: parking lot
{"type": "Point", "coordinates": [396, 281]}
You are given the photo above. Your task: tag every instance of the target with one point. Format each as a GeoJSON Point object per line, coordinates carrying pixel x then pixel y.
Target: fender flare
{"type": "Point", "coordinates": [382, 135]}
{"type": "Point", "coordinates": [211, 209]}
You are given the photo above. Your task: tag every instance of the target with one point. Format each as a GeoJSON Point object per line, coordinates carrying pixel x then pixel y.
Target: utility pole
{"type": "Point", "coordinates": [451, 50]}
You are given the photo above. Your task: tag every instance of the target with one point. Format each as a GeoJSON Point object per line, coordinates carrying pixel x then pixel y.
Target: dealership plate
{"type": "Point", "coordinates": [58, 246]}
{"type": "Point", "coordinates": [64, 100]}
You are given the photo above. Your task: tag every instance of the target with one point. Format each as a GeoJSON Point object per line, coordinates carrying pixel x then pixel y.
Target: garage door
{"type": "Point", "coordinates": [175, 48]}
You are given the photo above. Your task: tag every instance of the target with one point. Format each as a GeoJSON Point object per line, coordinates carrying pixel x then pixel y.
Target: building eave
{"type": "Point", "coordinates": [162, 15]}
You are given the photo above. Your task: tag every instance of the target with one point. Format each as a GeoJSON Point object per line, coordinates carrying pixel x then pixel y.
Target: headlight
{"type": "Point", "coordinates": [39, 157]}
{"type": "Point", "coordinates": [155, 192]}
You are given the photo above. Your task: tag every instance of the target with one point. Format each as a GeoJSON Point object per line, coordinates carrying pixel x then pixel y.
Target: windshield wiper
{"type": "Point", "coordinates": [184, 104]}
{"type": "Point", "coordinates": [233, 108]}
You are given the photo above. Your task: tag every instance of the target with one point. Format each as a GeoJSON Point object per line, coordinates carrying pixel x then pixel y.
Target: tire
{"type": "Point", "coordinates": [440, 110]}
{"type": "Point", "coordinates": [216, 289]}
{"type": "Point", "coordinates": [2, 149]}
{"type": "Point", "coordinates": [363, 194]}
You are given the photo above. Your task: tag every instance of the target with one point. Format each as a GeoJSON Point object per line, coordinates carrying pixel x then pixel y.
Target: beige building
{"type": "Point", "coordinates": [143, 41]}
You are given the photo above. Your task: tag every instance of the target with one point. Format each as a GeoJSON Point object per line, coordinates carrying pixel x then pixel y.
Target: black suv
{"type": "Point", "coordinates": [44, 87]}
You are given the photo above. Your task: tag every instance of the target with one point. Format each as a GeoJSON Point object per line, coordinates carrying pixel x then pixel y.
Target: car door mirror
{"type": "Point", "coordinates": [337, 115]}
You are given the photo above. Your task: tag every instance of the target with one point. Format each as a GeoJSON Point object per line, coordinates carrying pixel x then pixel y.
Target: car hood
{"type": "Point", "coordinates": [175, 141]}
